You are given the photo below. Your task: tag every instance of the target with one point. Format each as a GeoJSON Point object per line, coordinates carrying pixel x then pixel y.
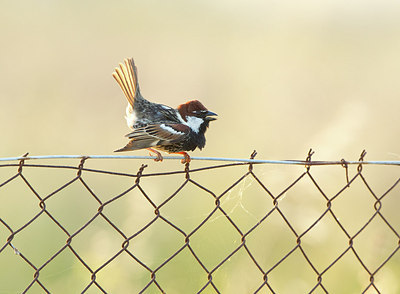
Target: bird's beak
{"type": "Point", "coordinates": [209, 116]}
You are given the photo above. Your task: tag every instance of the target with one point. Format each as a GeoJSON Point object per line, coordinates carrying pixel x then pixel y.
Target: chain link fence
{"type": "Point", "coordinates": [240, 227]}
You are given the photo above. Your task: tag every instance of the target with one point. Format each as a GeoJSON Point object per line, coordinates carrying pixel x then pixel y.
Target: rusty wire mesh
{"type": "Point", "coordinates": [257, 252]}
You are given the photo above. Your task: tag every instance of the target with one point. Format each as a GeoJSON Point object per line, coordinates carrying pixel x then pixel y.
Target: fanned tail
{"type": "Point", "coordinates": [126, 77]}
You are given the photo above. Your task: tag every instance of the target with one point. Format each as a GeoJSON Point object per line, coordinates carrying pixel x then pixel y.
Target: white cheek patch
{"type": "Point", "coordinates": [171, 130]}
{"type": "Point", "coordinates": [194, 123]}
{"type": "Point", "coordinates": [130, 116]}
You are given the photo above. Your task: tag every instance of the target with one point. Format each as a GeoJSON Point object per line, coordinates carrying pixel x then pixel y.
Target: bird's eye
{"type": "Point", "coordinates": [199, 112]}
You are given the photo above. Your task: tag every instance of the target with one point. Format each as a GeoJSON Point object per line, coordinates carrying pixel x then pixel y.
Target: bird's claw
{"type": "Point", "coordinates": [158, 158]}
{"type": "Point", "coordinates": [186, 158]}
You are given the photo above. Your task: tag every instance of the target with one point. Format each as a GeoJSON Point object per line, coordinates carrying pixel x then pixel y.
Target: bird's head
{"type": "Point", "coordinates": [196, 116]}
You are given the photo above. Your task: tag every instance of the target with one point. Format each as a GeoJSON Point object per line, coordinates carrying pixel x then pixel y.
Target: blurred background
{"type": "Point", "coordinates": [280, 74]}
{"type": "Point", "coordinates": [283, 76]}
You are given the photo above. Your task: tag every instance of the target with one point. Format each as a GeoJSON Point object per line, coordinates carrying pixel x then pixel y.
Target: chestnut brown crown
{"type": "Point", "coordinates": [197, 109]}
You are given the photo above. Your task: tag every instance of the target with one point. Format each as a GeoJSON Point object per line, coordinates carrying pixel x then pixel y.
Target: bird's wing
{"type": "Point", "coordinates": [126, 77]}
{"type": "Point", "coordinates": [155, 135]}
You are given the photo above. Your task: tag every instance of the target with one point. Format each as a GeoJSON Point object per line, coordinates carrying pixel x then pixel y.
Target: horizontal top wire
{"type": "Point", "coordinates": [288, 162]}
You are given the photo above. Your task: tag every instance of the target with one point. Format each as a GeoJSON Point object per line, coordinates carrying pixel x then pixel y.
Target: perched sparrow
{"type": "Point", "coordinates": [157, 126]}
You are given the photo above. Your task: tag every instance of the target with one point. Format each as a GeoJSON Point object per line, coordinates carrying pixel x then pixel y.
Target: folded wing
{"type": "Point", "coordinates": [155, 135]}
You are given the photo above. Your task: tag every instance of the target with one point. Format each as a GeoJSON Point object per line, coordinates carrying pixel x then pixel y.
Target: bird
{"type": "Point", "coordinates": [158, 126]}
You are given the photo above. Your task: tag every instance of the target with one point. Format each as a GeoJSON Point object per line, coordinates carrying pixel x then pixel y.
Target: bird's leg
{"type": "Point", "coordinates": [158, 154]}
{"type": "Point", "coordinates": [186, 158]}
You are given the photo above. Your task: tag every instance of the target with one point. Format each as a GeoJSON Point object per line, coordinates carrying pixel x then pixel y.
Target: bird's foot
{"type": "Point", "coordinates": [158, 154]}
{"type": "Point", "coordinates": [186, 157]}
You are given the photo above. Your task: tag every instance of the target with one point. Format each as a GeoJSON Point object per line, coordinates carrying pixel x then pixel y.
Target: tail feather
{"type": "Point", "coordinates": [126, 77]}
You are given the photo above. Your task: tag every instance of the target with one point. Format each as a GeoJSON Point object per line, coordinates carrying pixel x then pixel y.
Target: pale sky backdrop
{"type": "Point", "coordinates": [284, 76]}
